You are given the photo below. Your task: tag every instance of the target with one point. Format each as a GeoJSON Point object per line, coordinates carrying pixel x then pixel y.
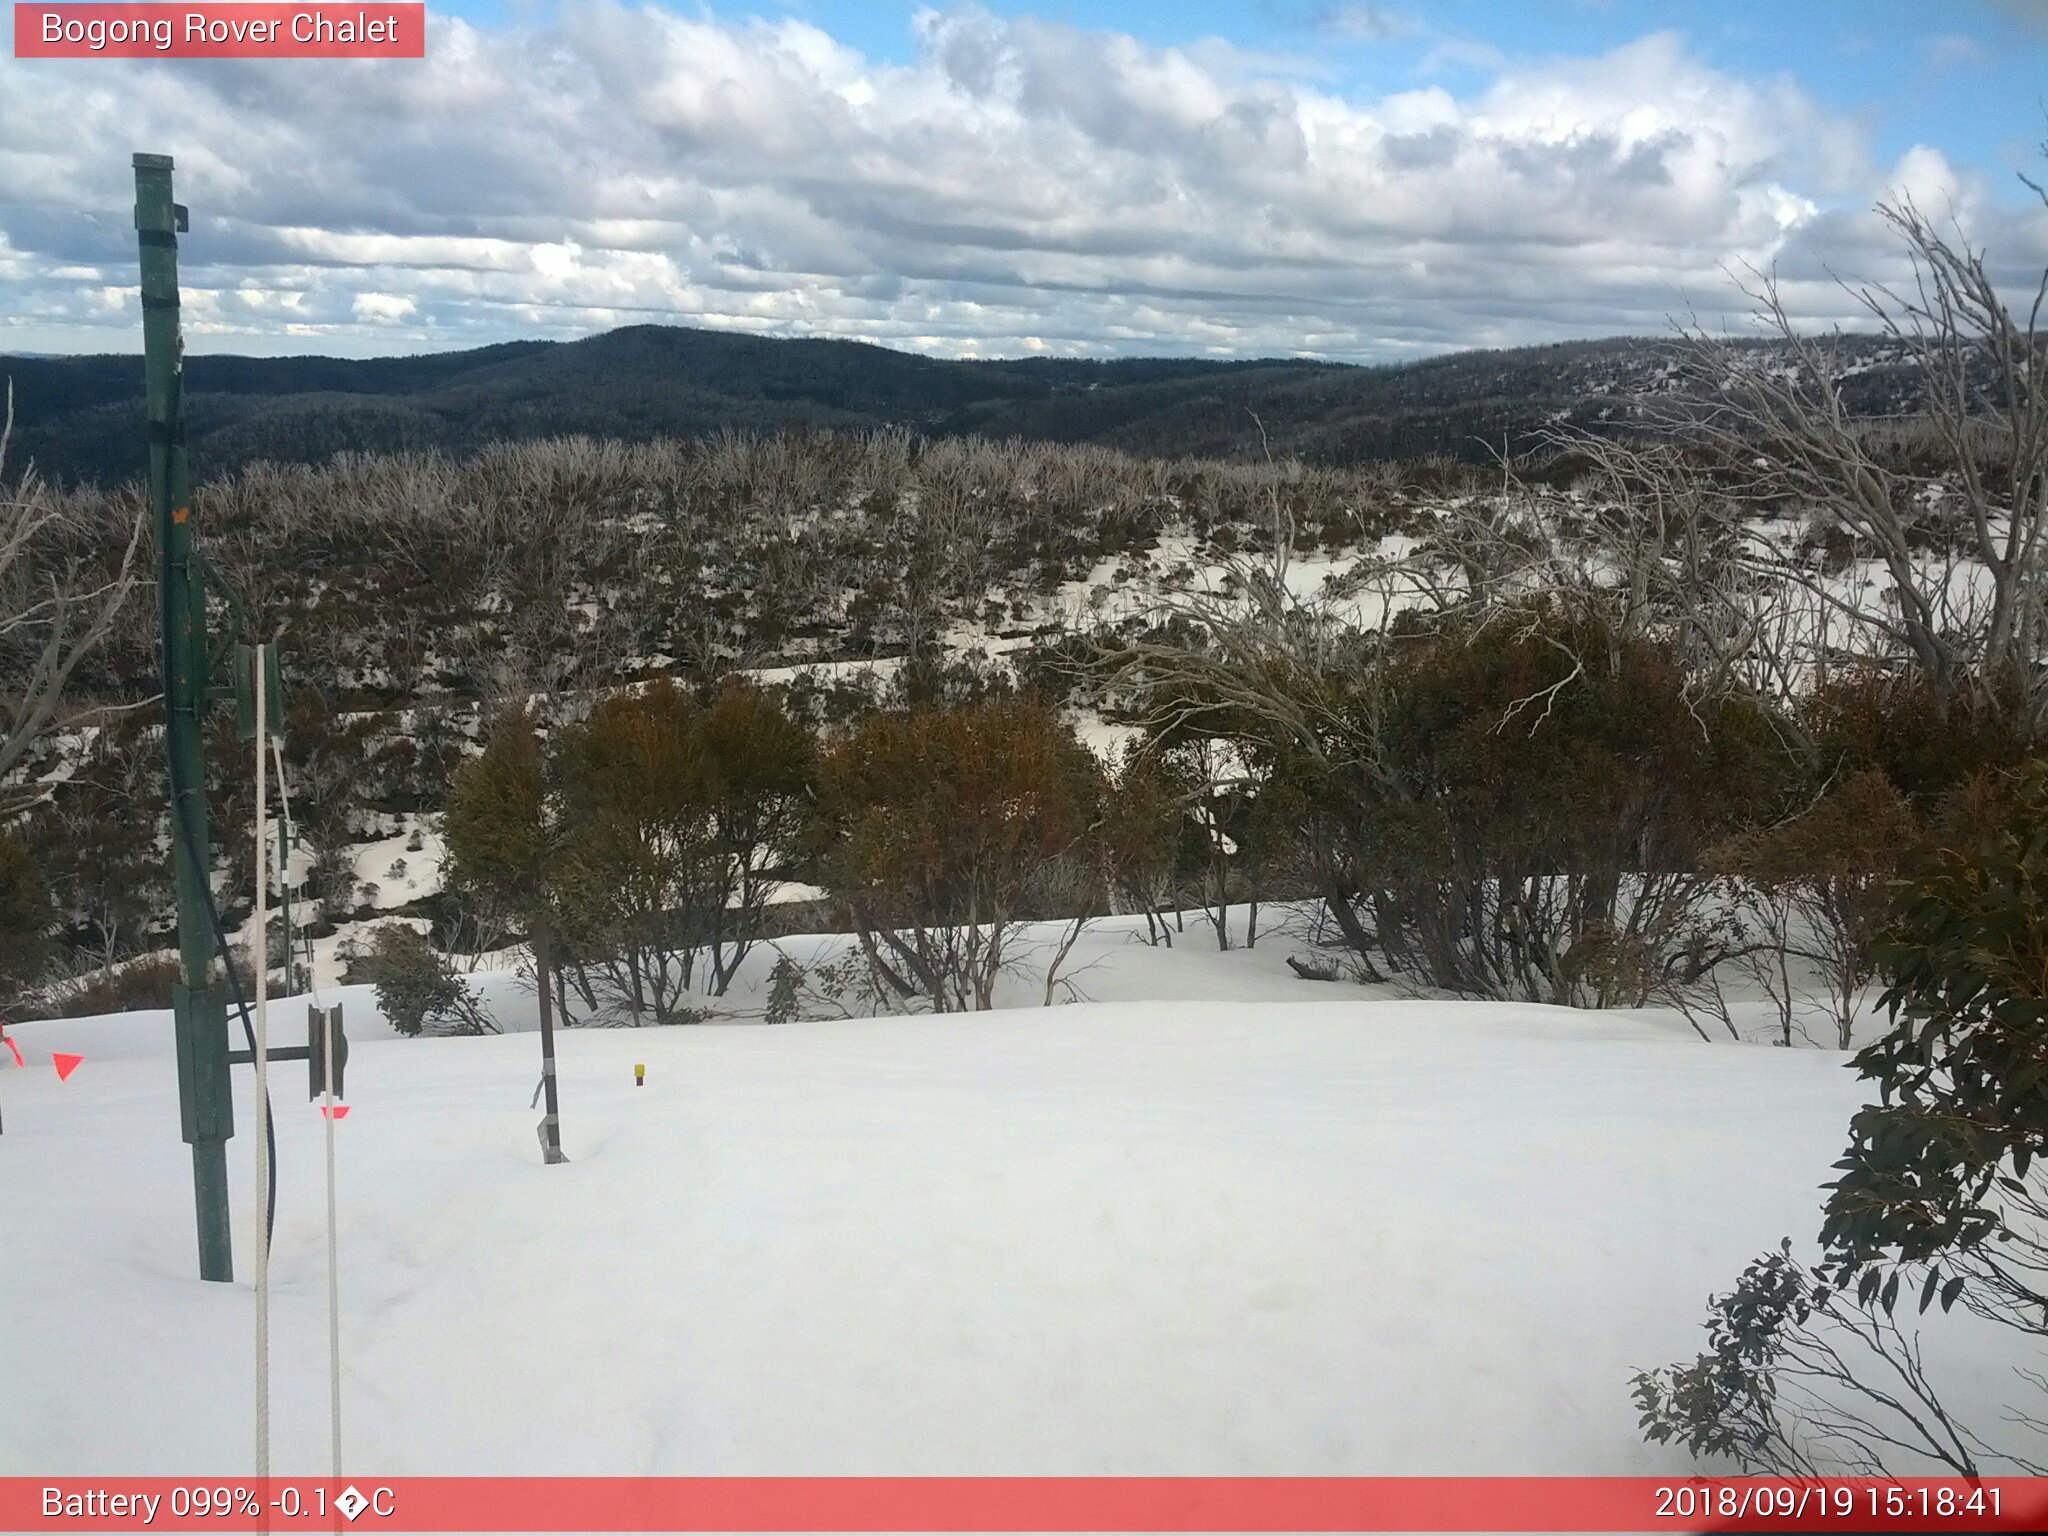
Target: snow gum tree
{"type": "Point", "coordinates": [1946, 513]}
{"type": "Point", "coordinates": [1884, 759]}
{"type": "Point", "coordinates": [1228, 831]}
{"type": "Point", "coordinates": [1144, 834]}
{"type": "Point", "coordinates": [58, 600]}
{"type": "Point", "coordinates": [759, 772]}
{"type": "Point", "coordinates": [504, 837]}
{"type": "Point", "coordinates": [1509, 800]}
{"type": "Point", "coordinates": [1820, 883]}
{"type": "Point", "coordinates": [104, 863]}
{"type": "Point", "coordinates": [63, 585]}
{"type": "Point", "coordinates": [678, 817]}
{"type": "Point", "coordinates": [1545, 793]}
{"type": "Point", "coordinates": [941, 830]}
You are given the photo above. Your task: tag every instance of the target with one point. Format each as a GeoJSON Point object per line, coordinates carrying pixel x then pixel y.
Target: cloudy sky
{"type": "Point", "coordinates": [1335, 178]}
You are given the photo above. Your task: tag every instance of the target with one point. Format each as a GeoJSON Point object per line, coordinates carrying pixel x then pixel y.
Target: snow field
{"type": "Point", "coordinates": [1257, 1233]}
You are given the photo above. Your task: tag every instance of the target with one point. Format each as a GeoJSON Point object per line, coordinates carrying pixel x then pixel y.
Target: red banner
{"type": "Point", "coordinates": [216, 31]}
{"type": "Point", "coordinates": [1023, 1504]}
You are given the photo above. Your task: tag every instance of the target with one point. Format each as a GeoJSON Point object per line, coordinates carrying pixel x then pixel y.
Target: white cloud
{"type": "Point", "coordinates": [1924, 177]}
{"type": "Point", "coordinates": [1954, 50]}
{"type": "Point", "coordinates": [1020, 185]}
{"type": "Point", "coordinates": [382, 308]}
{"type": "Point", "coordinates": [1376, 23]}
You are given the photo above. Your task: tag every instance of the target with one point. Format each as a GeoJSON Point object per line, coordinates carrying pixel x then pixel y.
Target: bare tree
{"type": "Point", "coordinates": [1956, 532]}
{"type": "Point", "coordinates": [56, 603]}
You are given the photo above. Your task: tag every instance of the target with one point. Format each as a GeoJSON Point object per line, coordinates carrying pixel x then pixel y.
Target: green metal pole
{"type": "Point", "coordinates": [200, 1012]}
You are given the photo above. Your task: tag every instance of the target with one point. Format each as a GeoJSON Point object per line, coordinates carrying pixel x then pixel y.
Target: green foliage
{"type": "Point", "coordinates": [1800, 1380]}
{"type": "Point", "coordinates": [499, 826]}
{"type": "Point", "coordinates": [26, 919]}
{"type": "Point", "coordinates": [1147, 843]}
{"type": "Point", "coordinates": [1854, 834]}
{"type": "Point", "coordinates": [416, 985]}
{"type": "Point", "coordinates": [939, 829]}
{"type": "Point", "coordinates": [1925, 744]}
{"type": "Point", "coordinates": [1726, 1401]}
{"type": "Point", "coordinates": [1544, 740]}
{"type": "Point", "coordinates": [1522, 806]}
{"type": "Point", "coordinates": [1830, 869]}
{"type": "Point", "coordinates": [1233, 819]}
{"type": "Point", "coordinates": [1963, 1074]}
{"type": "Point", "coordinates": [943, 815]}
{"type": "Point", "coordinates": [81, 417]}
{"type": "Point", "coordinates": [785, 991]}
{"type": "Point", "coordinates": [674, 817]}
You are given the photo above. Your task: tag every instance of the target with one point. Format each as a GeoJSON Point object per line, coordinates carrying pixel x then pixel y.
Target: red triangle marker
{"type": "Point", "coordinates": [339, 1112]}
{"type": "Point", "coordinates": [65, 1063]}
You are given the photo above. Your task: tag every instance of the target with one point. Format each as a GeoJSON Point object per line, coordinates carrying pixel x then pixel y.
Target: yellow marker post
{"type": "Point", "coordinates": [639, 1074]}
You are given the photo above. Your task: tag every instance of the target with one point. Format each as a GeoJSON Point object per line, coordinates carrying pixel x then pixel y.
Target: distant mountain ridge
{"type": "Point", "coordinates": [80, 418]}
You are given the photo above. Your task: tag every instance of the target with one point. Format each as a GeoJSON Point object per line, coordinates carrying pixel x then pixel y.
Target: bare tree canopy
{"type": "Point", "coordinates": [56, 603]}
{"type": "Point", "coordinates": [1948, 506]}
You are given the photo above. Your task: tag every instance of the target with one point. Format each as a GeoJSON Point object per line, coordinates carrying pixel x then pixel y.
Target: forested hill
{"type": "Point", "coordinates": [80, 418]}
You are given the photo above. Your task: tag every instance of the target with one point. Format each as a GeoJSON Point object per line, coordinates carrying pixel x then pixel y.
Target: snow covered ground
{"type": "Point", "coordinates": [1232, 1223]}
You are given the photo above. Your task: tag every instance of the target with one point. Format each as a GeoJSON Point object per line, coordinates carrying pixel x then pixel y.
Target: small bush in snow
{"type": "Point", "coordinates": [785, 989]}
{"type": "Point", "coordinates": [144, 983]}
{"type": "Point", "coordinates": [416, 985]}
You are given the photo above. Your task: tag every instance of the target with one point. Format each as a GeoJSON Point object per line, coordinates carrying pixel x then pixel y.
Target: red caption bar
{"type": "Point", "coordinates": [216, 31]}
{"type": "Point", "coordinates": [1147, 1504]}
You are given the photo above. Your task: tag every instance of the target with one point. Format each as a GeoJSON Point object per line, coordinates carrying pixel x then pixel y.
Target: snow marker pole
{"type": "Point", "coordinates": [205, 1102]}
{"type": "Point", "coordinates": [263, 1169]}
{"type": "Point", "coordinates": [551, 1122]}
{"type": "Point", "coordinates": [333, 1248]}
